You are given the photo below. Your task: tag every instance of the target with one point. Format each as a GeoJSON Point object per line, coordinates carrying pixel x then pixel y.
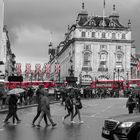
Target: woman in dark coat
{"type": "Point", "coordinates": [12, 103]}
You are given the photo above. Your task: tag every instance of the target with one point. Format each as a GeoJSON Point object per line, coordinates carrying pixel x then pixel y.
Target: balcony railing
{"type": "Point", "coordinates": [86, 68]}
{"type": "Point", "coordinates": [103, 69]}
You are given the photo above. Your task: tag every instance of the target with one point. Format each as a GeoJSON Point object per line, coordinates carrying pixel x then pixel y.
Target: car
{"type": "Point", "coordinates": [122, 127]}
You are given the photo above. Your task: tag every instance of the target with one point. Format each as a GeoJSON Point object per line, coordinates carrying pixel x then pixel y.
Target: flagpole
{"type": "Point", "coordinates": [103, 13]}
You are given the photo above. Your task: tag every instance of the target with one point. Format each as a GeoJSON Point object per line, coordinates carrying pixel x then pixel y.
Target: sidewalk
{"type": "Point", "coordinates": [26, 106]}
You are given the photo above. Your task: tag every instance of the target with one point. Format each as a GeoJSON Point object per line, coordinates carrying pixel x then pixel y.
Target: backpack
{"type": "Point", "coordinates": [69, 104]}
{"type": "Point", "coordinates": [78, 104]}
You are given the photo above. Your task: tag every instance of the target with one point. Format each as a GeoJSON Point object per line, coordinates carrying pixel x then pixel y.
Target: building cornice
{"type": "Point", "coordinates": [104, 28]}
{"type": "Point", "coordinates": [103, 40]}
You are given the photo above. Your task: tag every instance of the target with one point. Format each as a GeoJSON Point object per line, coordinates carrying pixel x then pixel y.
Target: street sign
{"type": "Point", "coordinates": [15, 78]}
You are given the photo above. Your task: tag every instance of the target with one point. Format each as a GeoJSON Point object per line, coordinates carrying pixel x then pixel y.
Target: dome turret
{"type": "Point", "coordinates": [114, 14]}
{"type": "Point", "coordinates": [82, 16]}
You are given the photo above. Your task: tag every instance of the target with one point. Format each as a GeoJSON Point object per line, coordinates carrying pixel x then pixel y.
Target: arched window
{"type": "Point", "coordinates": [119, 60]}
{"type": "Point", "coordinates": [113, 36]}
{"type": "Point", "coordinates": [123, 36]}
{"type": "Point", "coordinates": [87, 59]}
{"type": "Point", "coordinates": [119, 57]}
{"type": "Point", "coordinates": [83, 34]}
{"type": "Point", "coordinates": [103, 57]}
{"type": "Point", "coordinates": [93, 34]}
{"type": "Point", "coordinates": [103, 35]}
{"type": "Point", "coordinates": [103, 62]}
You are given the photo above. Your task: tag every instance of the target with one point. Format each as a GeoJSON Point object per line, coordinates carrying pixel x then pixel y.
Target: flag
{"type": "Point", "coordinates": [28, 68]}
{"type": "Point", "coordinates": [138, 66]}
{"type": "Point", "coordinates": [57, 68]}
{"type": "Point", "coordinates": [18, 69]}
{"type": "Point", "coordinates": [47, 68]}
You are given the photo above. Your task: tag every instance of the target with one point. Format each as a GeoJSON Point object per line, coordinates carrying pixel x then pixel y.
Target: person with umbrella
{"type": "Point", "coordinates": [12, 106]}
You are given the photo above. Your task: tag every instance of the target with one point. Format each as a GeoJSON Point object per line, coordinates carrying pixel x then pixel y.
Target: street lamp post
{"type": "Point", "coordinates": [80, 78]}
{"type": "Point", "coordinates": [127, 75]}
{"type": "Point", "coordinates": [114, 78]}
{"type": "Point", "coordinates": [118, 73]}
{"type": "Point", "coordinates": [127, 80]}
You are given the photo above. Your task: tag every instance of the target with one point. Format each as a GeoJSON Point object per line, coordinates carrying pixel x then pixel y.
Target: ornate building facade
{"type": "Point", "coordinates": [95, 48]}
{"type": "Point", "coordinates": [7, 58]}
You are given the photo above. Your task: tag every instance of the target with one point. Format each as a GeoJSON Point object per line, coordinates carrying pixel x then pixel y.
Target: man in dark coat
{"type": "Point", "coordinates": [38, 99]}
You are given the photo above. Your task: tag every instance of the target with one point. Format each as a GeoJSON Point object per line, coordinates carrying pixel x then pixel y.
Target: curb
{"type": "Point", "coordinates": [27, 106]}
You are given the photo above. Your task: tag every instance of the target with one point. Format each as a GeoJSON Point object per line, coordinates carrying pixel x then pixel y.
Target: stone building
{"type": "Point", "coordinates": [95, 47]}
{"type": "Point", "coordinates": [7, 58]}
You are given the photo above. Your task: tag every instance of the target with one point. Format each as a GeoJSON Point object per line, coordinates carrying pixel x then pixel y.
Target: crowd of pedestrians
{"type": "Point", "coordinates": [70, 98]}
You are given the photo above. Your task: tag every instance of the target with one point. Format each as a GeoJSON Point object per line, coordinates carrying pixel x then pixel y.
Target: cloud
{"type": "Point", "coordinates": [29, 22]}
{"type": "Point", "coordinates": [32, 42]}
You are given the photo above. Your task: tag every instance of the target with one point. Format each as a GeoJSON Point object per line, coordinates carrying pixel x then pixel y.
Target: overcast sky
{"type": "Point", "coordinates": [30, 22]}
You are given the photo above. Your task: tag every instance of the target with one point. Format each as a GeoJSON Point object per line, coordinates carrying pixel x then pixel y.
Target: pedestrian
{"type": "Point", "coordinates": [63, 95]}
{"type": "Point", "coordinates": [78, 105]}
{"type": "Point", "coordinates": [12, 112]}
{"type": "Point", "coordinates": [68, 107]}
{"type": "Point", "coordinates": [38, 99]}
{"type": "Point", "coordinates": [130, 104]}
{"type": "Point", "coordinates": [45, 109]}
{"type": "Point", "coordinates": [30, 94]}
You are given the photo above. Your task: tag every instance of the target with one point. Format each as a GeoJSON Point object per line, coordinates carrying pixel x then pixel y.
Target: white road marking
{"type": "Point", "coordinates": [106, 109]}
{"type": "Point", "coordinates": [1, 129]}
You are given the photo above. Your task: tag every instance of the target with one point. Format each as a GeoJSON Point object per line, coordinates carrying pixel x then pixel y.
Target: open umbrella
{"type": "Point", "coordinates": [136, 90]}
{"type": "Point", "coordinates": [15, 91]}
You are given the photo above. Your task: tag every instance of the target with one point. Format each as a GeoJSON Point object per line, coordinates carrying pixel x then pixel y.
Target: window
{"type": "Point", "coordinates": [83, 34]}
{"type": "Point", "coordinates": [103, 35]}
{"type": "Point", "coordinates": [113, 36]}
{"type": "Point", "coordinates": [123, 36]}
{"type": "Point", "coordinates": [103, 47]}
{"type": "Point", "coordinates": [103, 62]}
{"type": "Point", "coordinates": [93, 34]}
{"type": "Point", "coordinates": [102, 23]}
{"type": "Point", "coordinates": [87, 47]}
{"type": "Point", "coordinates": [92, 23]}
{"type": "Point", "coordinates": [103, 57]}
{"type": "Point", "coordinates": [111, 24]}
{"type": "Point", "coordinates": [119, 58]}
{"type": "Point", "coordinates": [119, 48]}
{"type": "Point", "coordinates": [87, 59]}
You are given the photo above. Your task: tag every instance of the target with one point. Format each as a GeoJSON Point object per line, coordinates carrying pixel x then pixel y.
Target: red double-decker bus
{"type": "Point", "coordinates": [108, 84]}
{"type": "Point", "coordinates": [133, 83]}
{"type": "Point", "coordinates": [26, 84]}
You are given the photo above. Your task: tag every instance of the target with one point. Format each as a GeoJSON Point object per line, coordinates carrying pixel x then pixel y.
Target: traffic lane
{"type": "Point", "coordinates": [104, 107]}
{"type": "Point", "coordinates": [89, 130]}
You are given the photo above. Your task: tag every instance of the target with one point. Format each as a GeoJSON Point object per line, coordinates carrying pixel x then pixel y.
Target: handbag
{"type": "Point", "coordinates": [79, 104]}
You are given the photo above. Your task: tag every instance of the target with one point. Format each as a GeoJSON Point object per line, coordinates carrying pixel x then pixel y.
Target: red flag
{"type": "Point", "coordinates": [18, 69]}
{"type": "Point", "coordinates": [138, 66]}
{"type": "Point", "coordinates": [57, 68]}
{"type": "Point", "coordinates": [47, 68]}
{"type": "Point", "coordinates": [28, 68]}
